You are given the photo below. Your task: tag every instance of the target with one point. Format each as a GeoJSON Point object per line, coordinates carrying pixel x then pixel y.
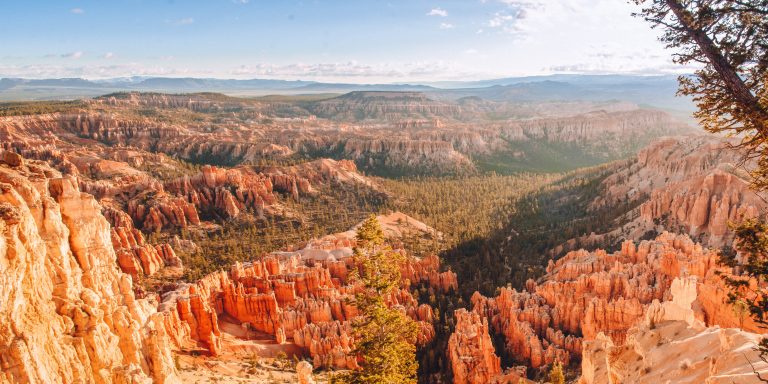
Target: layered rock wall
{"type": "Point", "coordinates": [692, 184]}
{"type": "Point", "coordinates": [69, 315]}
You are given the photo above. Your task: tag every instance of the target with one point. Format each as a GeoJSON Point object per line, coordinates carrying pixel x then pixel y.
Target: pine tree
{"type": "Point", "coordinates": [752, 244]}
{"type": "Point", "coordinates": [384, 337]}
{"type": "Point", "coordinates": [556, 375]}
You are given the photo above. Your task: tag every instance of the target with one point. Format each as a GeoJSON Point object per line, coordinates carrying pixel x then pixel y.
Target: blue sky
{"type": "Point", "coordinates": [354, 41]}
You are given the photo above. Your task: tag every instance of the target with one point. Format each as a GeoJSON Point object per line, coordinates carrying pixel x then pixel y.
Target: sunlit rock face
{"type": "Point", "coordinates": [689, 184]}
{"type": "Point", "coordinates": [383, 132]}
{"type": "Point", "coordinates": [300, 297]}
{"type": "Point", "coordinates": [68, 315]}
{"type": "Point", "coordinates": [470, 350]}
{"type": "Point", "coordinates": [670, 344]}
{"type": "Point", "coordinates": [586, 294]}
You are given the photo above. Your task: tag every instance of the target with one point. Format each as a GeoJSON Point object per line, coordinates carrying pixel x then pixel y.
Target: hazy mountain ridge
{"type": "Point", "coordinates": [658, 91]}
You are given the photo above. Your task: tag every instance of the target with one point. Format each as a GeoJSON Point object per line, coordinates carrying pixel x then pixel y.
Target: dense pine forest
{"type": "Point", "coordinates": [511, 221]}
{"type": "Point", "coordinates": [336, 208]}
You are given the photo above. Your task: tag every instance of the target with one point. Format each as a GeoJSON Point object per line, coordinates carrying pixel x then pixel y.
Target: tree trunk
{"type": "Point", "coordinates": [733, 82]}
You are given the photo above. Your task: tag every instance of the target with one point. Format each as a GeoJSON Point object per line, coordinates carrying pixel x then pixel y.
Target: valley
{"type": "Point", "coordinates": [384, 192]}
{"type": "Point", "coordinates": [211, 238]}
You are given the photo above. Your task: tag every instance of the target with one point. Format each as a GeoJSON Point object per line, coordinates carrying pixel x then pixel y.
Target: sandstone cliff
{"type": "Point", "coordinates": [589, 293]}
{"type": "Point", "coordinates": [298, 297]}
{"type": "Point", "coordinates": [670, 345]}
{"type": "Point", "coordinates": [68, 314]}
{"type": "Point", "coordinates": [690, 184]}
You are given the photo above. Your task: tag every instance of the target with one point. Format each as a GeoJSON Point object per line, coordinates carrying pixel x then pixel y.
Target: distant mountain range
{"type": "Point", "coordinates": [655, 91]}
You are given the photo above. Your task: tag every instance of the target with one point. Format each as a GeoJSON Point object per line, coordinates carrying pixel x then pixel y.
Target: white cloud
{"type": "Point", "coordinates": [77, 11]}
{"type": "Point", "coordinates": [509, 37]}
{"type": "Point", "coordinates": [73, 55]}
{"type": "Point", "coordinates": [352, 71]}
{"type": "Point", "coordinates": [590, 36]}
{"type": "Point", "coordinates": [438, 12]}
{"type": "Point", "coordinates": [108, 55]}
{"type": "Point", "coordinates": [43, 71]}
{"type": "Point", "coordinates": [348, 71]}
{"type": "Point", "coordinates": [446, 26]}
{"type": "Point", "coordinates": [500, 19]}
{"type": "Point", "coordinates": [184, 21]}
{"type": "Point", "coordinates": [241, 1]}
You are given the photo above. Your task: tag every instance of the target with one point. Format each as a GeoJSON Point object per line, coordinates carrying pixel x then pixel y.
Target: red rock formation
{"type": "Point", "coordinates": [134, 255]}
{"type": "Point", "coordinates": [470, 350]}
{"type": "Point", "coordinates": [686, 184]}
{"type": "Point", "coordinates": [297, 299]}
{"type": "Point", "coordinates": [705, 205]}
{"type": "Point", "coordinates": [670, 345]}
{"type": "Point", "coordinates": [427, 270]}
{"type": "Point", "coordinates": [68, 314]}
{"type": "Point", "coordinates": [587, 293]}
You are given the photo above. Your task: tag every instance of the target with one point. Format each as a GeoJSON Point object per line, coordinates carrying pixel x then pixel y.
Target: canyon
{"type": "Point", "coordinates": [383, 132]}
{"type": "Point", "coordinates": [129, 225]}
{"type": "Point", "coordinates": [85, 324]}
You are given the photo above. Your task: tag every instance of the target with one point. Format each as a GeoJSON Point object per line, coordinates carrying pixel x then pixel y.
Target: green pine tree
{"type": "Point", "coordinates": [384, 337]}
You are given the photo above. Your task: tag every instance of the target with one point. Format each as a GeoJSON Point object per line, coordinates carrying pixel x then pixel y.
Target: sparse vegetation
{"type": "Point", "coordinates": [39, 107]}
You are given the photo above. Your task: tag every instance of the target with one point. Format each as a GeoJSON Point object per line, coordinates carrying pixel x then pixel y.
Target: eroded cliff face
{"type": "Point", "coordinates": [68, 315]}
{"type": "Point", "coordinates": [601, 133]}
{"type": "Point", "coordinates": [72, 317]}
{"type": "Point", "coordinates": [192, 102]}
{"type": "Point", "coordinates": [704, 206]}
{"type": "Point", "coordinates": [298, 297]}
{"type": "Point", "coordinates": [383, 105]}
{"type": "Point", "coordinates": [150, 192]}
{"type": "Point", "coordinates": [670, 345]}
{"type": "Point", "coordinates": [589, 293]}
{"type": "Point", "coordinates": [230, 144]}
{"type": "Point", "coordinates": [690, 184]}
{"type": "Point", "coordinates": [470, 350]}
{"type": "Point", "coordinates": [385, 132]}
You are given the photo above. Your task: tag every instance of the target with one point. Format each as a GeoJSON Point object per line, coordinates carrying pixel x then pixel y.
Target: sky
{"type": "Point", "coordinates": [358, 41]}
